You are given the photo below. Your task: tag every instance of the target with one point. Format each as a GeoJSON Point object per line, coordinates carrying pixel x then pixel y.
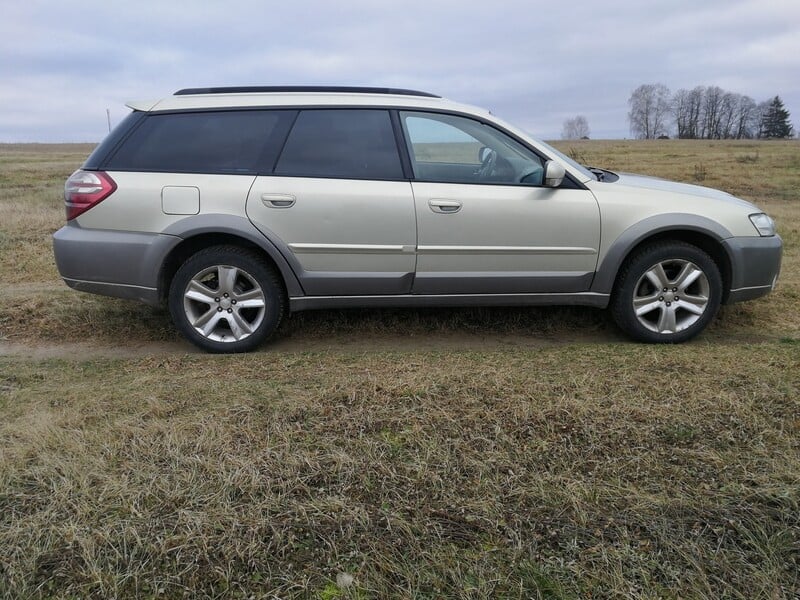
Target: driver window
{"type": "Point", "coordinates": [450, 149]}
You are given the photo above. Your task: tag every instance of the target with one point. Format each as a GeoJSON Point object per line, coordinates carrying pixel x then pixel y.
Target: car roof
{"type": "Point", "coordinates": [288, 96]}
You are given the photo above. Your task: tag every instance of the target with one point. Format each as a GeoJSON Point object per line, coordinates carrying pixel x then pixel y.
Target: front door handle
{"type": "Point", "coordinates": [440, 205]}
{"type": "Point", "coordinates": [278, 200]}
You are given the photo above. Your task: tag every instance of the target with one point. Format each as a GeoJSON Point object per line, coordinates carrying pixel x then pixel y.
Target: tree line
{"type": "Point", "coordinates": [705, 112]}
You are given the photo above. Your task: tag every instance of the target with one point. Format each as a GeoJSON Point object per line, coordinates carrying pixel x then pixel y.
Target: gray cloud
{"type": "Point", "coordinates": [532, 63]}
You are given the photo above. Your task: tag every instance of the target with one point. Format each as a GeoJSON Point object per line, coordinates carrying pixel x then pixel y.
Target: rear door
{"type": "Point", "coordinates": [338, 204]}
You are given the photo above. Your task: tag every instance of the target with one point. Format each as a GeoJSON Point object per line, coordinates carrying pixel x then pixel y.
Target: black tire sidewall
{"type": "Point", "coordinates": [241, 259]}
{"type": "Point", "coordinates": [622, 304]}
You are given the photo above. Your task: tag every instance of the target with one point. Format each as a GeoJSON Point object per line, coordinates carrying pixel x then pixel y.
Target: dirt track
{"type": "Point", "coordinates": [100, 328]}
{"type": "Point", "coordinates": [335, 343]}
{"type": "Point", "coordinates": [347, 343]}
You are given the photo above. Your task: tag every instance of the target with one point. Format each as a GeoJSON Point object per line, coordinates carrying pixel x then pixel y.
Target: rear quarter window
{"type": "Point", "coordinates": [201, 142]}
{"type": "Point", "coordinates": [106, 147]}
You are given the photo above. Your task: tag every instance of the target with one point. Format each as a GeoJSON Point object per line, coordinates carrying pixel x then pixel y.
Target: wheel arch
{"type": "Point", "coordinates": [698, 231]}
{"type": "Point", "coordinates": [204, 231]}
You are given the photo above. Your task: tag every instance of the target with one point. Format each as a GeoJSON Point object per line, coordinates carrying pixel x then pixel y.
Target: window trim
{"type": "Point", "coordinates": [263, 162]}
{"type": "Point", "coordinates": [402, 147]}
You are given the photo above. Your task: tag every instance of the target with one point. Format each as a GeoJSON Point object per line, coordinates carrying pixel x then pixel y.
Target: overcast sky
{"type": "Point", "coordinates": [533, 63]}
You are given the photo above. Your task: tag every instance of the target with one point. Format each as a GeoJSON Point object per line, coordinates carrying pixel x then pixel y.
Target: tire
{"type": "Point", "coordinates": [226, 299]}
{"type": "Point", "coordinates": [666, 293]}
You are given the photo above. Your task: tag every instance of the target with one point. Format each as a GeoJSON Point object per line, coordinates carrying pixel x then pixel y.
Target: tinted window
{"type": "Point", "coordinates": [97, 157]}
{"type": "Point", "coordinates": [447, 148]}
{"type": "Point", "coordinates": [349, 144]}
{"type": "Point", "coordinates": [203, 142]}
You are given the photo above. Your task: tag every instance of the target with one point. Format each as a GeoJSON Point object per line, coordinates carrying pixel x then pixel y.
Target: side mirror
{"type": "Point", "coordinates": [553, 174]}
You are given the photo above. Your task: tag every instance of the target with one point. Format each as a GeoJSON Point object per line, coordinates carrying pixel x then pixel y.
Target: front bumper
{"type": "Point", "coordinates": [123, 264]}
{"type": "Point", "coordinates": [755, 265]}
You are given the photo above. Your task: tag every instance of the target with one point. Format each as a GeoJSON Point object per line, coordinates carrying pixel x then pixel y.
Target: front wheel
{"type": "Point", "coordinates": [226, 299]}
{"type": "Point", "coordinates": [667, 293]}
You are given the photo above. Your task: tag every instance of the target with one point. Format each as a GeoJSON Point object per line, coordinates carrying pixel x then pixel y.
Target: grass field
{"type": "Point", "coordinates": [515, 453]}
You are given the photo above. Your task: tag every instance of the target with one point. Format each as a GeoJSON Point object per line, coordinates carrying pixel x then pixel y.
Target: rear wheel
{"type": "Point", "coordinates": [667, 293]}
{"type": "Point", "coordinates": [226, 299]}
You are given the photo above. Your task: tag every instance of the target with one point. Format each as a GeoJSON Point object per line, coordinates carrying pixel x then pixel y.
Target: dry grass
{"type": "Point", "coordinates": [761, 171]}
{"type": "Point", "coordinates": [586, 471]}
{"type": "Point", "coordinates": [32, 204]}
{"type": "Point", "coordinates": [492, 465]}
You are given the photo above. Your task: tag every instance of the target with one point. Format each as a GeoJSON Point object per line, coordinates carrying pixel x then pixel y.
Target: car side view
{"type": "Point", "coordinates": [237, 206]}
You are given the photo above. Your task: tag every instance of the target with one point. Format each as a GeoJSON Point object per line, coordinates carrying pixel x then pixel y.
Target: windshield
{"type": "Point", "coordinates": [568, 160]}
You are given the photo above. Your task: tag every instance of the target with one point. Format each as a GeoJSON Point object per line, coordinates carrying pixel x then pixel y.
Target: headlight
{"type": "Point", "coordinates": [763, 223]}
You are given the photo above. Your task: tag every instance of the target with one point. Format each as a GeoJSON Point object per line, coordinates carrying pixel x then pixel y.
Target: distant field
{"type": "Point", "coordinates": [470, 453]}
{"type": "Point", "coordinates": [457, 152]}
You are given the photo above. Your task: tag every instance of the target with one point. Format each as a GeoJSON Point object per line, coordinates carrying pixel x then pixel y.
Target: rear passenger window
{"type": "Point", "coordinates": [347, 144]}
{"type": "Point", "coordinates": [201, 142]}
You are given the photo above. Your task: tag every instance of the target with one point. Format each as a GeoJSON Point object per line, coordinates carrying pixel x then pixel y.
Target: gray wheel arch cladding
{"type": "Point", "coordinates": [650, 227]}
{"type": "Point", "coordinates": [242, 228]}
{"type": "Point", "coordinates": [603, 281]}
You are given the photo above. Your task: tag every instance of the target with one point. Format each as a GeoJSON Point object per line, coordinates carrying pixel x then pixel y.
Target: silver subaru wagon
{"type": "Point", "coordinates": [235, 206]}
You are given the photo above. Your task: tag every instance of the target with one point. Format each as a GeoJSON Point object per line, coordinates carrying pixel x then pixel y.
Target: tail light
{"type": "Point", "coordinates": [85, 189]}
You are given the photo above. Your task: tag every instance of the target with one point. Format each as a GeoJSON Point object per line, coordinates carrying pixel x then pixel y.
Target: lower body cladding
{"type": "Point", "coordinates": [441, 300]}
{"type": "Point", "coordinates": [146, 295]}
{"type": "Point", "coordinates": [151, 296]}
{"type": "Point", "coordinates": [127, 265]}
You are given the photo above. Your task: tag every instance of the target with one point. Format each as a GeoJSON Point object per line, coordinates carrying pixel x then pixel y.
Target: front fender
{"type": "Point", "coordinates": [634, 235]}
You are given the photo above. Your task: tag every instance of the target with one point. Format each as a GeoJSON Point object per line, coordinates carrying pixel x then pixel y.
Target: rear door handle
{"type": "Point", "coordinates": [278, 200]}
{"type": "Point", "coordinates": [440, 205]}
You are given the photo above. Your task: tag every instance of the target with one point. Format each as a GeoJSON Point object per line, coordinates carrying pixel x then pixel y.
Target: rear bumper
{"type": "Point", "coordinates": [122, 264]}
{"type": "Point", "coordinates": [755, 266]}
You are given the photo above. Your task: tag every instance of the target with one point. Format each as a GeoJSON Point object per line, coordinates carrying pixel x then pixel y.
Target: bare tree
{"type": "Point", "coordinates": [687, 109]}
{"type": "Point", "coordinates": [727, 115]}
{"type": "Point", "coordinates": [575, 129]}
{"type": "Point", "coordinates": [680, 110]}
{"type": "Point", "coordinates": [712, 106]}
{"type": "Point", "coordinates": [746, 116]}
{"type": "Point", "coordinates": [761, 110]}
{"type": "Point", "coordinates": [649, 108]}
{"type": "Point", "coordinates": [696, 116]}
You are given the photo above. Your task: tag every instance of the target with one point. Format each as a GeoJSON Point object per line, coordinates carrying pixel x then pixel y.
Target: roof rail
{"type": "Point", "coordinates": [249, 89]}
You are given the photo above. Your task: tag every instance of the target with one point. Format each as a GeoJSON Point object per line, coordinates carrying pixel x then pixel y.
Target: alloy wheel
{"type": "Point", "coordinates": [671, 296]}
{"type": "Point", "coordinates": [224, 303]}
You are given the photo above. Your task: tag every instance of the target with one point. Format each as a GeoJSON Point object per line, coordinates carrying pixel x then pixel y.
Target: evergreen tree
{"type": "Point", "coordinates": [775, 120]}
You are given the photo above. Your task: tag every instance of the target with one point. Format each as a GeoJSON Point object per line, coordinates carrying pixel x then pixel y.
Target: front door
{"type": "Point", "coordinates": [485, 223]}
